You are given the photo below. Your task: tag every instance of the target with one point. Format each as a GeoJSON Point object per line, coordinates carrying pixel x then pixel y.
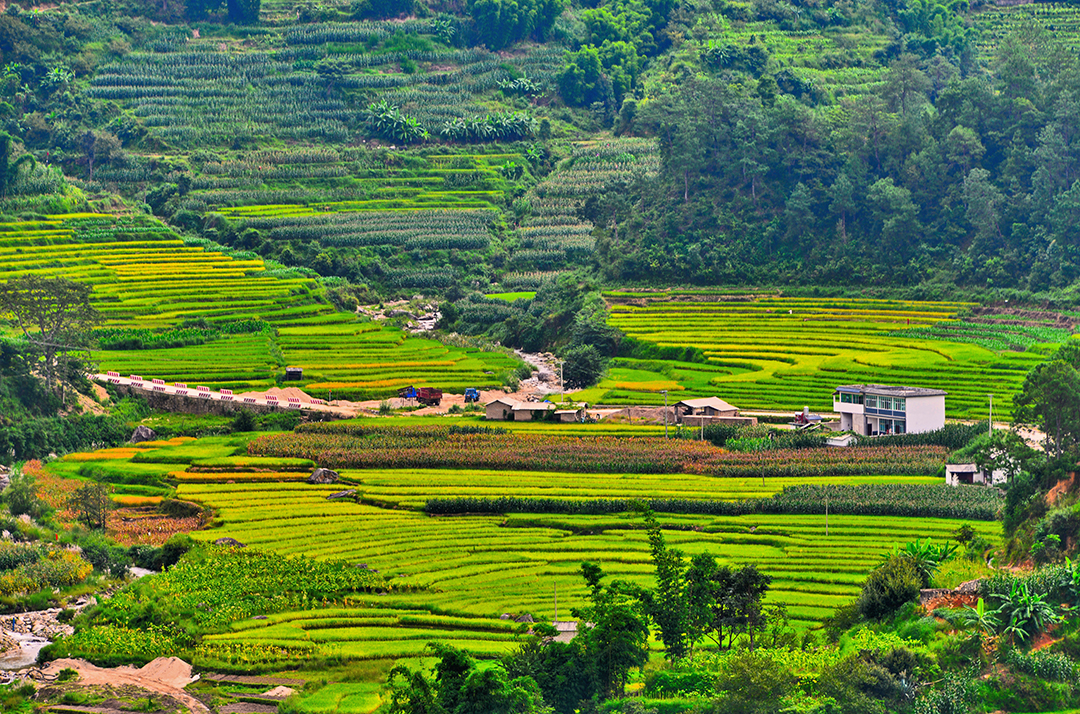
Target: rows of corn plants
{"type": "Point", "coordinates": [993, 336]}
{"type": "Point", "coordinates": [933, 501]}
{"type": "Point", "coordinates": [792, 352]}
{"type": "Point", "coordinates": [411, 487]}
{"type": "Point", "coordinates": [552, 235]}
{"type": "Point", "coordinates": [333, 446]}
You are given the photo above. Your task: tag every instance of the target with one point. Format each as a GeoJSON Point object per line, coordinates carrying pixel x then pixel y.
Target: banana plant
{"type": "Point", "coordinates": [986, 622]}
{"type": "Point", "coordinates": [925, 556]}
{"type": "Point", "coordinates": [1027, 612]}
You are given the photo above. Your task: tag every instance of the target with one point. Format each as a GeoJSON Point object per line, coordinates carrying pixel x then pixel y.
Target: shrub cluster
{"type": "Point", "coordinates": [37, 438]}
{"type": "Point", "coordinates": [1048, 666]}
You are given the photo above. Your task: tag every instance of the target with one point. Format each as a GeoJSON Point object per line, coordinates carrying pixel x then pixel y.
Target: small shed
{"type": "Point", "coordinates": [570, 415]}
{"type": "Point", "coordinates": [842, 440]}
{"type": "Point", "coordinates": [531, 411]}
{"type": "Point", "coordinates": [294, 374]}
{"type": "Point", "coordinates": [706, 406]}
{"type": "Point", "coordinates": [971, 474]}
{"type": "Point", "coordinates": [500, 409]}
{"type": "Point", "coordinates": [566, 630]}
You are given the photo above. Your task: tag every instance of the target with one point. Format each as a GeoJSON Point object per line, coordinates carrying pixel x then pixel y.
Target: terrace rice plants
{"type": "Point", "coordinates": [770, 352]}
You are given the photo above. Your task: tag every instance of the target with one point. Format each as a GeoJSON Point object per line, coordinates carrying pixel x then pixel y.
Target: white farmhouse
{"type": "Point", "coordinates": [878, 409]}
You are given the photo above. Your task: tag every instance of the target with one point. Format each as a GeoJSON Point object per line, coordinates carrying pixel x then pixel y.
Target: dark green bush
{"type": "Point", "coordinates": [175, 508]}
{"type": "Point", "coordinates": [145, 556]}
{"type": "Point", "coordinates": [752, 683]}
{"type": "Point", "coordinates": [13, 555]}
{"type": "Point", "coordinates": [244, 421]}
{"type": "Point", "coordinates": [104, 555]}
{"type": "Point", "coordinates": [888, 587]}
{"type": "Point", "coordinates": [175, 548]}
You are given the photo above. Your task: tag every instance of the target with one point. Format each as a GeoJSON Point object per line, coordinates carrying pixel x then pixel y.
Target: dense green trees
{"type": "Point", "coordinates": [1050, 399]}
{"type": "Point", "coordinates": [461, 687]}
{"type": "Point", "coordinates": [936, 176]}
{"type": "Point", "coordinates": [498, 23]}
{"type": "Point", "coordinates": [55, 317]}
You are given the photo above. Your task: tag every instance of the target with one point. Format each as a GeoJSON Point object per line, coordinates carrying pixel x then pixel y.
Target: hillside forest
{"type": "Point", "coordinates": [877, 143]}
{"type": "Point", "coordinates": [757, 200]}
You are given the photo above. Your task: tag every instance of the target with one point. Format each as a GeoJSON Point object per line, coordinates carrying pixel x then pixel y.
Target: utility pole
{"type": "Point", "coordinates": [664, 392]}
{"type": "Point", "coordinates": [826, 516]}
{"type": "Point", "coordinates": [991, 430]}
{"type": "Point", "coordinates": [562, 387]}
{"type": "Point", "coordinates": [556, 602]}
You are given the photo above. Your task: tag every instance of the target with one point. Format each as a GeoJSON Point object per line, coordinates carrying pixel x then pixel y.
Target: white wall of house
{"type": "Point", "coordinates": [851, 417]}
{"type": "Point", "coordinates": [925, 413]}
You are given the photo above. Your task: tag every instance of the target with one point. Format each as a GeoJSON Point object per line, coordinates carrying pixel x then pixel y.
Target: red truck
{"type": "Point", "coordinates": [428, 396]}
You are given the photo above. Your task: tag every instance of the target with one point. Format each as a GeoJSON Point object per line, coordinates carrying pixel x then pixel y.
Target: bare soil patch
{"type": "Point", "coordinates": [165, 675]}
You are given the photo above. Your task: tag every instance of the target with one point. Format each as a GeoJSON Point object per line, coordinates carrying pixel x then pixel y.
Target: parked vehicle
{"type": "Point", "coordinates": [429, 396]}
{"type": "Point", "coordinates": [472, 394]}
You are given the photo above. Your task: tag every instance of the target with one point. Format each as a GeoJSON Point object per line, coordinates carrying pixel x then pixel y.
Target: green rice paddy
{"type": "Point", "coordinates": [786, 353]}
{"type": "Point", "coordinates": [450, 578]}
{"type": "Point", "coordinates": [145, 276]}
{"type": "Point", "coordinates": [485, 565]}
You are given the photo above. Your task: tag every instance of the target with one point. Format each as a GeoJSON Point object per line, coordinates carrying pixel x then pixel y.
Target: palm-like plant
{"type": "Point", "coordinates": [1070, 582]}
{"type": "Point", "coordinates": [1026, 612]}
{"type": "Point", "coordinates": [925, 556]}
{"type": "Point", "coordinates": [986, 622]}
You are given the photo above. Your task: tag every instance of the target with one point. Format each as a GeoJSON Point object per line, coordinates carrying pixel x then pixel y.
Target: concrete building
{"type": "Point", "coordinates": [706, 406]}
{"type": "Point", "coordinates": [499, 409]}
{"type": "Point", "coordinates": [842, 441]}
{"type": "Point", "coordinates": [879, 409]}
{"type": "Point", "coordinates": [531, 411]}
{"type": "Point", "coordinates": [568, 416]}
{"type": "Point", "coordinates": [709, 410]}
{"type": "Point", "coordinates": [971, 474]}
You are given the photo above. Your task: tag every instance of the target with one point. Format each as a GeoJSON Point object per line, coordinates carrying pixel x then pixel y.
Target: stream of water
{"type": "Point", "coordinates": [25, 655]}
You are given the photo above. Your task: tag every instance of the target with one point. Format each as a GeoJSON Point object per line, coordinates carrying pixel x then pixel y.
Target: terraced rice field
{"type": "Point", "coordinates": [412, 488]}
{"type": "Point", "coordinates": [363, 361]}
{"type": "Point", "coordinates": [474, 568]}
{"type": "Point", "coordinates": [1062, 20]}
{"type": "Point", "coordinates": [485, 565]}
{"type": "Point", "coordinates": [786, 353]}
{"type": "Point", "coordinates": [818, 57]}
{"type": "Point", "coordinates": [145, 276]}
{"type": "Point", "coordinates": [208, 99]}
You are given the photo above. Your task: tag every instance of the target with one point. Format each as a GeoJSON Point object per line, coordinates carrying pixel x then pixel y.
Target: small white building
{"type": "Point", "coordinates": [706, 406]}
{"type": "Point", "coordinates": [843, 440]}
{"type": "Point", "coordinates": [879, 409]}
{"type": "Point", "coordinates": [709, 410]}
{"type": "Point", "coordinates": [971, 474]}
{"type": "Point", "coordinates": [568, 416]}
